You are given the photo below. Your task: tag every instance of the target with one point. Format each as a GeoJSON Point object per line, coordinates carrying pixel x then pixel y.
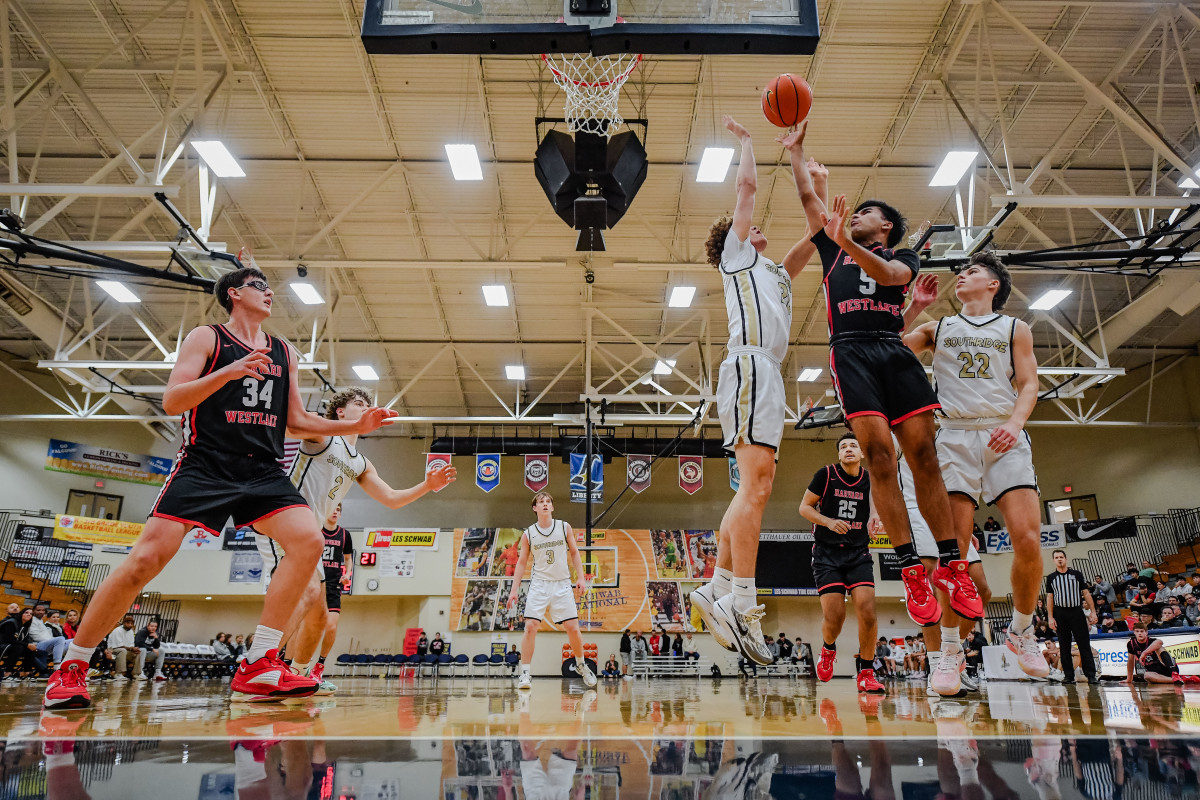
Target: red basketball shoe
{"type": "Point", "coordinates": [268, 679]}
{"type": "Point", "coordinates": [68, 687]}
{"type": "Point", "coordinates": [922, 606]}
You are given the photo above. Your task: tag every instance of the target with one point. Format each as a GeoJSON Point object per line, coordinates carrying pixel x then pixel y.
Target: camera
{"type": "Point", "coordinates": [302, 270]}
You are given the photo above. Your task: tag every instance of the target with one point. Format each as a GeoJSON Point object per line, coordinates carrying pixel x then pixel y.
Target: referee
{"type": "Point", "coordinates": [1066, 595]}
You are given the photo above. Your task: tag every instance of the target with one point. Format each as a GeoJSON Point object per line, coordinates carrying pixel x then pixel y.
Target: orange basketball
{"type": "Point", "coordinates": [786, 100]}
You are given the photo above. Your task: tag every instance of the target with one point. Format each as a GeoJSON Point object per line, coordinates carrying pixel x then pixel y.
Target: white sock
{"type": "Point", "coordinates": [264, 639]}
{"type": "Point", "coordinates": [524, 669]}
{"type": "Point", "coordinates": [745, 596]}
{"type": "Point", "coordinates": [77, 653]}
{"type": "Point", "coordinates": [950, 641]}
{"type": "Point", "coordinates": [1021, 622]}
{"type": "Point", "coordinates": [721, 583]}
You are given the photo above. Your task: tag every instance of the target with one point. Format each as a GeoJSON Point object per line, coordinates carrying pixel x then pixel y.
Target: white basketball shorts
{"type": "Point", "coordinates": [750, 400]}
{"type": "Point", "coordinates": [553, 600]}
{"type": "Point", "coordinates": [922, 536]}
{"type": "Point", "coordinates": [552, 782]}
{"type": "Point", "coordinates": [971, 468]}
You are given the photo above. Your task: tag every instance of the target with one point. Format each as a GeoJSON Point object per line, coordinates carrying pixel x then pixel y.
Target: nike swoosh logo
{"type": "Point", "coordinates": [272, 677]}
{"type": "Point", "coordinates": [474, 8]}
{"type": "Point", "coordinates": [1081, 534]}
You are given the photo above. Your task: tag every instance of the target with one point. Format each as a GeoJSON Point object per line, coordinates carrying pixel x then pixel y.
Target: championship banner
{"type": "Point", "coordinates": [691, 473]}
{"type": "Point", "coordinates": [408, 538]}
{"type": "Point", "coordinates": [578, 483]}
{"type": "Point", "coordinates": [487, 471]}
{"type": "Point", "coordinates": [99, 462]}
{"type": "Point", "coordinates": [1052, 536]}
{"type": "Point", "coordinates": [238, 539]}
{"type": "Point", "coordinates": [637, 472]}
{"type": "Point", "coordinates": [96, 531]}
{"type": "Point", "coordinates": [436, 460]}
{"type": "Point", "coordinates": [537, 472]}
{"type": "Point", "coordinates": [735, 475]}
{"type": "Point", "coordinates": [199, 539]}
{"type": "Point", "coordinates": [1108, 528]}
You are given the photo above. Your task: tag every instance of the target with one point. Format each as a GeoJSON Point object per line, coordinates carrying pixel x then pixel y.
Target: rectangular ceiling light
{"type": "Point", "coordinates": [219, 159]}
{"type": "Point", "coordinates": [514, 372]}
{"type": "Point", "coordinates": [809, 374]}
{"type": "Point", "coordinates": [1049, 300]}
{"type": "Point", "coordinates": [366, 372]}
{"type": "Point", "coordinates": [464, 162]}
{"type": "Point", "coordinates": [1189, 183]}
{"type": "Point", "coordinates": [119, 291]}
{"type": "Point", "coordinates": [954, 166]}
{"type": "Point", "coordinates": [495, 295]}
{"type": "Point", "coordinates": [681, 296]}
{"type": "Point", "coordinates": [306, 292]}
{"type": "Point", "coordinates": [714, 164]}
{"type": "Point", "coordinates": [664, 367]}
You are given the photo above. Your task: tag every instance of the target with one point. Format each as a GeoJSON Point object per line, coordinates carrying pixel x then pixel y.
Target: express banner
{"type": "Point", "coordinates": [96, 531]}
{"type": "Point", "coordinates": [436, 461]}
{"type": "Point", "coordinates": [1108, 528]}
{"type": "Point", "coordinates": [537, 472]}
{"type": "Point", "coordinates": [406, 539]}
{"type": "Point", "coordinates": [1052, 536]}
{"type": "Point", "coordinates": [100, 462]}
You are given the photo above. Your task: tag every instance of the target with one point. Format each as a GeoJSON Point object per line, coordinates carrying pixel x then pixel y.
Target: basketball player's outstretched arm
{"type": "Point", "coordinates": [518, 573]}
{"type": "Point", "coordinates": [746, 183]}
{"type": "Point", "coordinates": [379, 490]}
{"type": "Point", "coordinates": [924, 294]}
{"type": "Point", "coordinates": [813, 202]}
{"type": "Point", "coordinates": [1025, 380]}
{"type": "Point", "coordinates": [802, 251]}
{"type": "Point", "coordinates": [576, 560]}
{"type": "Point", "coordinates": [186, 388]}
{"type": "Point", "coordinates": [887, 273]}
{"type": "Point", "coordinates": [304, 424]}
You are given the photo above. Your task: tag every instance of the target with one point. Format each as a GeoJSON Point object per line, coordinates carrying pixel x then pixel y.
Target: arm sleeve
{"type": "Point", "coordinates": [818, 482]}
{"type": "Point", "coordinates": [737, 255]}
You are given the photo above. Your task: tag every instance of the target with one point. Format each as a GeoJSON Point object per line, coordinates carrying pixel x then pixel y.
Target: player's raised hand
{"type": "Point", "coordinates": [925, 290]}
{"type": "Point", "coordinates": [816, 169]}
{"type": "Point", "coordinates": [439, 478]}
{"type": "Point", "coordinates": [373, 419]}
{"type": "Point", "coordinates": [735, 127]}
{"type": "Point", "coordinates": [795, 139]}
{"type": "Point", "coordinates": [834, 219]}
{"type": "Point", "coordinates": [251, 365]}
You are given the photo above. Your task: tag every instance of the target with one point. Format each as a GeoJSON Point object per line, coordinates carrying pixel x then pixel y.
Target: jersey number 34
{"type": "Point", "coordinates": [257, 391]}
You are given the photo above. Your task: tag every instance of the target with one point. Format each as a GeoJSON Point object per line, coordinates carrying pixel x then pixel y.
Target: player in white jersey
{"type": "Point", "coordinates": [750, 404]}
{"type": "Point", "coordinates": [985, 374]}
{"type": "Point", "coordinates": [323, 471]}
{"type": "Point", "coordinates": [550, 545]}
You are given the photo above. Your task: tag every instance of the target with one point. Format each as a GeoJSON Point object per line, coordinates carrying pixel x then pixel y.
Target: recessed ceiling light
{"type": "Point", "coordinates": [495, 295]}
{"type": "Point", "coordinates": [681, 296]}
{"type": "Point", "coordinates": [219, 159]}
{"type": "Point", "coordinates": [809, 374]}
{"type": "Point", "coordinates": [954, 166]}
{"type": "Point", "coordinates": [514, 372]}
{"type": "Point", "coordinates": [118, 291]}
{"type": "Point", "coordinates": [664, 367]}
{"type": "Point", "coordinates": [365, 372]}
{"type": "Point", "coordinates": [1062, 508]}
{"type": "Point", "coordinates": [464, 162]}
{"type": "Point", "coordinates": [306, 292]}
{"type": "Point", "coordinates": [714, 164]}
{"type": "Point", "coordinates": [1049, 300]}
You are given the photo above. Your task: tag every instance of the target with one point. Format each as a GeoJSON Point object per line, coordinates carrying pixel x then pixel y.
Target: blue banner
{"type": "Point", "coordinates": [487, 471]}
{"type": "Point", "coordinates": [578, 487]}
{"type": "Point", "coordinates": [735, 476]}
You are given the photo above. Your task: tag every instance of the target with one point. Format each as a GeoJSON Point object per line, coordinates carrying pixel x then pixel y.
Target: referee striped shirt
{"type": "Point", "coordinates": [1067, 588]}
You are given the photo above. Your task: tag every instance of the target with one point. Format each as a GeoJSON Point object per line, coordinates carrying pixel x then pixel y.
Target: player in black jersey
{"type": "Point", "coordinates": [838, 504]}
{"type": "Point", "coordinates": [236, 387]}
{"type": "Point", "coordinates": [881, 384]}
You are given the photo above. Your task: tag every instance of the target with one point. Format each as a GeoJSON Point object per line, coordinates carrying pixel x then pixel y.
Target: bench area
{"type": "Point", "coordinates": [666, 667]}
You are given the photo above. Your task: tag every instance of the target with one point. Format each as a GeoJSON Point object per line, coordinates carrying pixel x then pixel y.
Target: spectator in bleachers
{"type": "Point", "coordinates": [991, 525]}
{"type": "Point", "coordinates": [437, 646]}
{"type": "Point", "coordinates": [772, 647]}
{"type": "Point", "coordinates": [973, 649]}
{"type": "Point", "coordinates": [610, 667]}
{"type": "Point", "coordinates": [43, 638]}
{"type": "Point", "coordinates": [1191, 610]}
{"type": "Point", "coordinates": [1141, 601]}
{"type": "Point", "coordinates": [786, 648]}
{"type": "Point", "coordinates": [922, 655]}
{"type": "Point", "coordinates": [220, 646]}
{"type": "Point", "coordinates": [422, 644]}
{"type": "Point", "coordinates": [1041, 630]}
{"type": "Point", "coordinates": [641, 648]}
{"type": "Point", "coordinates": [1107, 624]}
{"type": "Point", "coordinates": [1039, 611]}
{"type": "Point", "coordinates": [148, 641]}
{"type": "Point", "coordinates": [1102, 588]}
{"type": "Point", "coordinates": [55, 623]}
{"type": "Point", "coordinates": [71, 624]}
{"type": "Point", "coordinates": [10, 639]}
{"type": "Point", "coordinates": [883, 655]}
{"type": "Point", "coordinates": [626, 651]}
{"type": "Point", "coordinates": [239, 647]}
{"type": "Point", "coordinates": [1161, 592]}
{"type": "Point", "coordinates": [1148, 570]}
{"type": "Point", "coordinates": [122, 643]}
{"type": "Point", "coordinates": [1128, 583]}
{"type": "Point", "coordinates": [1181, 588]}
{"type": "Point", "coordinates": [1102, 606]}
{"type": "Point", "coordinates": [677, 646]}
{"type": "Point", "coordinates": [655, 642]}
{"type": "Point", "coordinates": [689, 647]}
{"type": "Point", "coordinates": [1170, 618]}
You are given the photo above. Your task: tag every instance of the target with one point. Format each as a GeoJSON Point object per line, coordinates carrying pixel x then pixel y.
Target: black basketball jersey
{"type": "Point", "coordinates": [1136, 649]}
{"type": "Point", "coordinates": [245, 417]}
{"type": "Point", "coordinates": [842, 497]}
{"type": "Point", "coordinates": [854, 301]}
{"type": "Point", "coordinates": [338, 545]}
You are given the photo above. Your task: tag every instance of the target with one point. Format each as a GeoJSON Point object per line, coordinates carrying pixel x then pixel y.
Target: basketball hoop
{"type": "Point", "coordinates": [593, 86]}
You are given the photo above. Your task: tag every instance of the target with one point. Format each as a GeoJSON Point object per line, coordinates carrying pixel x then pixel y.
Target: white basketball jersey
{"type": "Point", "coordinates": [325, 475]}
{"type": "Point", "coordinates": [758, 298]}
{"type": "Point", "coordinates": [973, 366]}
{"type": "Point", "coordinates": [548, 552]}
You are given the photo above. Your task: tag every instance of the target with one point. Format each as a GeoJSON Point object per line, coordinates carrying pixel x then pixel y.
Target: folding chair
{"type": "Point", "coordinates": [399, 660]}
{"type": "Point", "coordinates": [480, 660]}
{"type": "Point", "coordinates": [461, 663]}
{"type": "Point", "coordinates": [362, 660]}
{"type": "Point", "coordinates": [496, 661]}
{"type": "Point", "coordinates": [345, 663]}
{"type": "Point", "coordinates": [384, 659]}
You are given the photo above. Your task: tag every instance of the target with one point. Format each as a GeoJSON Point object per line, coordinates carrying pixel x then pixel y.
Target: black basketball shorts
{"type": "Point", "coordinates": [205, 489]}
{"type": "Point", "coordinates": [333, 594]}
{"type": "Point", "coordinates": [841, 569]}
{"type": "Point", "coordinates": [879, 375]}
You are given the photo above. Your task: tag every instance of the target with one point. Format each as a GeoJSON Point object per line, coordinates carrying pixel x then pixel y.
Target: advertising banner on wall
{"type": "Point", "coordinates": [245, 567]}
{"type": "Point", "coordinates": [423, 538]}
{"type": "Point", "coordinates": [1053, 535]}
{"type": "Point", "coordinates": [238, 539]}
{"type": "Point", "coordinates": [1108, 528]}
{"type": "Point", "coordinates": [101, 462]}
{"type": "Point", "coordinates": [96, 531]}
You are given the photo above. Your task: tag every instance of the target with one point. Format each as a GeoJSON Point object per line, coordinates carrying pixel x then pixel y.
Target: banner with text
{"type": "Point", "coordinates": [579, 480]}
{"type": "Point", "coordinates": [1052, 536]}
{"type": "Point", "coordinates": [1108, 528]}
{"type": "Point", "coordinates": [101, 462]}
{"type": "Point", "coordinates": [96, 531]}
{"type": "Point", "coordinates": [406, 538]}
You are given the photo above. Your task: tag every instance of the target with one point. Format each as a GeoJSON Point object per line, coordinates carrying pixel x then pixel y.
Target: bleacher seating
{"type": "Point", "coordinates": [665, 667]}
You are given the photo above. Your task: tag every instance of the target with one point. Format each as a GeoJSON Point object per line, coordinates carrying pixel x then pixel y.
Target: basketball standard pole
{"type": "Point", "coordinates": [587, 476]}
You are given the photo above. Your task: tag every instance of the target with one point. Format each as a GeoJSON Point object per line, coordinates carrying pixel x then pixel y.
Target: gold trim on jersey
{"type": "Point", "coordinates": [750, 310]}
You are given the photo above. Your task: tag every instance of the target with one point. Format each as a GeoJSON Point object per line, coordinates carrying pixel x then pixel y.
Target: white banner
{"type": "Point", "coordinates": [397, 563]}
{"type": "Point", "coordinates": [1000, 663]}
{"type": "Point", "coordinates": [999, 541]}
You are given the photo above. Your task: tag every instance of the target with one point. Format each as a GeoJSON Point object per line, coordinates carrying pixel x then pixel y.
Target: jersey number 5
{"type": "Point", "coordinates": [868, 283]}
{"type": "Point", "coordinates": [256, 391]}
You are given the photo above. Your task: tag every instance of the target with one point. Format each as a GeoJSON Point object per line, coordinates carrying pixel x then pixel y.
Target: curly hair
{"type": "Point", "coordinates": [716, 240]}
{"type": "Point", "coordinates": [345, 398]}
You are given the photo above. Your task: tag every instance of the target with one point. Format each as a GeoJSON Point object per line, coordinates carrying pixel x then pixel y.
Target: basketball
{"type": "Point", "coordinates": [786, 100]}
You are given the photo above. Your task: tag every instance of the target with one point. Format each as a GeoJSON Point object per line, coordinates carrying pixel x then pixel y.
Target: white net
{"type": "Point", "coordinates": [593, 86]}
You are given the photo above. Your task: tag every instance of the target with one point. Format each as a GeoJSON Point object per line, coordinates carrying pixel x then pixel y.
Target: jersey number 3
{"type": "Point", "coordinates": [257, 391]}
{"type": "Point", "coordinates": [549, 556]}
